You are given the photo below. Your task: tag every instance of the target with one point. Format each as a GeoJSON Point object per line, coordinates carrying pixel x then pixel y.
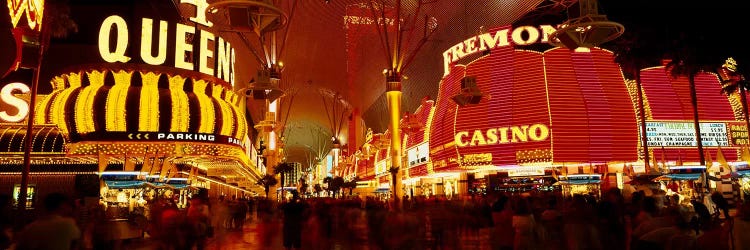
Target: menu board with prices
{"type": "Point", "coordinates": [682, 134]}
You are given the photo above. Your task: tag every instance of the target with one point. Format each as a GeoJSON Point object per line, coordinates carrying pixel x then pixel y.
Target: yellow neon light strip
{"type": "Point", "coordinates": [241, 123]}
{"type": "Point", "coordinates": [84, 118]}
{"type": "Point", "coordinates": [115, 114]}
{"type": "Point", "coordinates": [227, 116]}
{"type": "Point", "coordinates": [148, 115]}
{"type": "Point", "coordinates": [57, 112]}
{"type": "Point", "coordinates": [208, 117]}
{"type": "Point", "coordinates": [58, 85]}
{"type": "Point", "coordinates": [180, 106]}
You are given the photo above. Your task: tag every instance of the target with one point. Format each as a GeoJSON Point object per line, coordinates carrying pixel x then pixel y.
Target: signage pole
{"type": "Point", "coordinates": [393, 94]}
{"type": "Point", "coordinates": [23, 193]}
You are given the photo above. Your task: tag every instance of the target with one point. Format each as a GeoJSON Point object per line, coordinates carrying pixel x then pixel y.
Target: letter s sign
{"type": "Point", "coordinates": [7, 97]}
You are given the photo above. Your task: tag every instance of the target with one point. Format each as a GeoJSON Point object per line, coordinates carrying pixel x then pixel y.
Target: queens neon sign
{"type": "Point", "coordinates": [222, 53]}
{"type": "Point", "coordinates": [524, 35]}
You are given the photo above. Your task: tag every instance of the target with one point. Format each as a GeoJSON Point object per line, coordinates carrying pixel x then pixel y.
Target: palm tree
{"type": "Point", "coordinates": [394, 181]}
{"type": "Point", "coordinates": [351, 184]}
{"type": "Point", "coordinates": [685, 63]}
{"type": "Point", "coordinates": [328, 181]}
{"type": "Point", "coordinates": [317, 189]}
{"type": "Point", "coordinates": [282, 169]}
{"type": "Point", "coordinates": [267, 181]}
{"type": "Point", "coordinates": [336, 184]}
{"type": "Point", "coordinates": [733, 81]}
{"type": "Point", "coordinates": [303, 186]}
{"type": "Point", "coordinates": [633, 52]}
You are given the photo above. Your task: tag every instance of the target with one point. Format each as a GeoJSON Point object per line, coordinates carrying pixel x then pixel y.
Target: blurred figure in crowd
{"type": "Point", "coordinates": [53, 231]}
{"type": "Point", "coordinates": [294, 217]}
{"type": "Point", "coordinates": [740, 227]}
{"type": "Point", "coordinates": [524, 226]}
{"type": "Point", "coordinates": [6, 223]}
{"type": "Point", "coordinates": [200, 223]}
{"type": "Point", "coordinates": [721, 203]}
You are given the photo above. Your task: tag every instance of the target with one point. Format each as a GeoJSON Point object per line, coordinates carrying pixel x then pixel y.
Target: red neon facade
{"type": "Point", "coordinates": [669, 100]}
{"type": "Point", "coordinates": [580, 96]}
{"type": "Point", "coordinates": [592, 115]}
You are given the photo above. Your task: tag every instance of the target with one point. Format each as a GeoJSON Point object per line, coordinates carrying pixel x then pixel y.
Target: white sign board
{"type": "Point", "coordinates": [381, 167]}
{"type": "Point", "coordinates": [525, 172]}
{"type": "Point", "coordinates": [682, 134]}
{"type": "Point", "coordinates": [418, 155]}
{"type": "Point", "coordinates": [219, 172]}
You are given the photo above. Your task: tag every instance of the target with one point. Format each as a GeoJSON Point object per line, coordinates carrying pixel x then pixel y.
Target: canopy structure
{"type": "Point", "coordinates": [46, 139]}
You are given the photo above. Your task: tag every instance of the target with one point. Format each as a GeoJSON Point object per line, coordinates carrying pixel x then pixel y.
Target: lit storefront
{"type": "Point", "coordinates": [417, 153]}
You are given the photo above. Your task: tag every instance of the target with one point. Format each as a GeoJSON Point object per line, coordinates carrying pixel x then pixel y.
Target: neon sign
{"type": "Point", "coordinates": [32, 9]}
{"type": "Point", "coordinates": [209, 47]}
{"type": "Point", "coordinates": [523, 35]}
{"type": "Point", "coordinates": [514, 134]}
{"type": "Point", "coordinates": [7, 97]}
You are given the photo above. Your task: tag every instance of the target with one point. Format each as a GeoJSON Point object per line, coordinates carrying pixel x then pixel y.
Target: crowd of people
{"type": "Point", "coordinates": [502, 221]}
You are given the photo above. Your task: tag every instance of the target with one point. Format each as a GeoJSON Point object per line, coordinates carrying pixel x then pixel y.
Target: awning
{"type": "Point", "coordinates": [577, 182]}
{"type": "Point", "coordinates": [126, 184]}
{"type": "Point", "coordinates": [679, 177]}
{"type": "Point", "coordinates": [382, 190]}
{"type": "Point", "coordinates": [743, 173]}
{"type": "Point", "coordinates": [45, 139]}
{"type": "Point", "coordinates": [643, 179]}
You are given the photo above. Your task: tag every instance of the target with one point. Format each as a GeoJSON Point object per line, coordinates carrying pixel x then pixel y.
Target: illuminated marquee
{"type": "Point", "coordinates": [682, 134]}
{"type": "Point", "coordinates": [124, 99]}
{"type": "Point", "coordinates": [523, 35]}
{"type": "Point", "coordinates": [209, 48]}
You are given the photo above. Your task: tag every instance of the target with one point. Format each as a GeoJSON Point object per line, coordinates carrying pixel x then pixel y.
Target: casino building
{"type": "Point", "coordinates": [135, 105]}
{"type": "Point", "coordinates": [553, 119]}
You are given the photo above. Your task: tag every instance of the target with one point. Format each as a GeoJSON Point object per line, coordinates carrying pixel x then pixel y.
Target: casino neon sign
{"type": "Point", "coordinates": [503, 135]}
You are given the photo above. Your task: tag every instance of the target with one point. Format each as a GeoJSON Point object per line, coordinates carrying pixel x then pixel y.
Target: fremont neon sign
{"type": "Point", "coordinates": [523, 35]}
{"type": "Point", "coordinates": [503, 135]}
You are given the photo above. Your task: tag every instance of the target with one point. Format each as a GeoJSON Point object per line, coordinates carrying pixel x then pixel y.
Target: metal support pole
{"type": "Point", "coordinates": [393, 95]}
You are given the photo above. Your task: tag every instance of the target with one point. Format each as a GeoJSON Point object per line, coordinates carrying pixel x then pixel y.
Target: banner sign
{"type": "Point", "coordinates": [738, 133]}
{"type": "Point", "coordinates": [162, 137]}
{"type": "Point", "coordinates": [219, 172]}
{"type": "Point", "coordinates": [418, 155]}
{"type": "Point", "coordinates": [381, 167]}
{"type": "Point", "coordinates": [682, 134]}
{"type": "Point", "coordinates": [525, 172]}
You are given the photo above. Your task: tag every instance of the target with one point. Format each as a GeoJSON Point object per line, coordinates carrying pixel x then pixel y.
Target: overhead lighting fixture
{"type": "Point", "coordinates": [587, 29]}
{"type": "Point", "coordinates": [265, 86]}
{"type": "Point", "coordinates": [470, 94]}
